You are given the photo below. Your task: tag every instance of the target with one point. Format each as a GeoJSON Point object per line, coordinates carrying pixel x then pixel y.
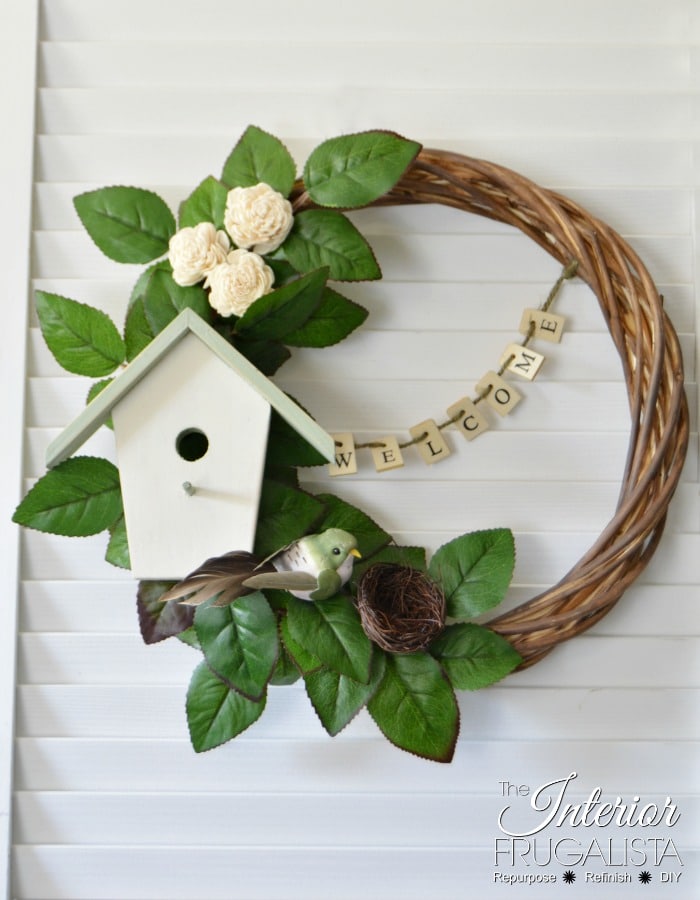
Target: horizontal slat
{"type": "Point", "coordinates": [502, 712]}
{"type": "Point", "coordinates": [85, 607]}
{"type": "Point", "coordinates": [484, 21]}
{"type": "Point", "coordinates": [410, 821]}
{"type": "Point", "coordinates": [588, 457]}
{"type": "Point", "coordinates": [632, 211]}
{"type": "Point", "coordinates": [542, 558]}
{"type": "Point", "coordinates": [89, 764]}
{"type": "Point", "coordinates": [555, 162]}
{"type": "Point", "coordinates": [104, 659]}
{"type": "Point", "coordinates": [444, 257]}
{"type": "Point", "coordinates": [149, 874]}
{"type": "Point", "coordinates": [419, 65]}
{"type": "Point", "coordinates": [116, 110]}
{"type": "Point", "coordinates": [600, 406]}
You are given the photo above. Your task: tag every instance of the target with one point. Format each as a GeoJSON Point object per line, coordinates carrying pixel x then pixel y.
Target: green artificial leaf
{"type": "Point", "coordinates": [336, 698]}
{"type": "Point", "coordinates": [331, 630]}
{"type": "Point", "coordinates": [474, 571]}
{"type": "Point", "coordinates": [118, 547]}
{"type": "Point", "coordinates": [84, 340]}
{"type": "Point", "coordinates": [339, 514]}
{"type": "Point", "coordinates": [95, 390]}
{"type": "Point", "coordinates": [324, 237]}
{"type": "Point", "coordinates": [159, 620]}
{"type": "Point", "coordinates": [334, 319]}
{"type": "Point", "coordinates": [128, 224]}
{"type": "Point", "coordinates": [286, 447]}
{"type": "Point", "coordinates": [284, 515]}
{"type": "Point", "coordinates": [286, 475]}
{"type": "Point", "coordinates": [260, 157]}
{"type": "Point", "coordinates": [215, 713]}
{"type": "Point", "coordinates": [286, 671]}
{"type": "Point", "coordinates": [189, 637]}
{"type": "Point", "coordinates": [239, 642]}
{"type": "Point", "coordinates": [79, 497]}
{"type": "Point", "coordinates": [266, 356]}
{"type": "Point", "coordinates": [356, 169]}
{"type": "Point", "coordinates": [138, 333]}
{"type": "Point", "coordinates": [415, 707]}
{"type": "Point", "coordinates": [282, 270]}
{"type": "Point", "coordinates": [474, 656]}
{"type": "Point", "coordinates": [206, 203]}
{"type": "Point", "coordinates": [274, 315]}
{"type": "Point", "coordinates": [164, 298]}
{"type": "Point", "coordinates": [304, 661]}
{"type": "Point", "coordinates": [409, 557]}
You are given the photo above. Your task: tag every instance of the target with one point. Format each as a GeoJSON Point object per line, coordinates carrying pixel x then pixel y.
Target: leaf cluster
{"type": "Point", "coordinates": [272, 638]}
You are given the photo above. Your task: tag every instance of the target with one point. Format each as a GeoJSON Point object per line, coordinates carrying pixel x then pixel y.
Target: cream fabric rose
{"type": "Point", "coordinates": [258, 217]}
{"type": "Point", "coordinates": [194, 252]}
{"type": "Point", "coordinates": [238, 282]}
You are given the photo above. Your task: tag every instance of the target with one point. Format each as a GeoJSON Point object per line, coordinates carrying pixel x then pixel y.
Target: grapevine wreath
{"type": "Point", "coordinates": [325, 594]}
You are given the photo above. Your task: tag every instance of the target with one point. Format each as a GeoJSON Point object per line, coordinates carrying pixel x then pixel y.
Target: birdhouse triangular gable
{"type": "Point", "coordinates": [191, 424]}
{"type": "Point", "coordinates": [187, 322]}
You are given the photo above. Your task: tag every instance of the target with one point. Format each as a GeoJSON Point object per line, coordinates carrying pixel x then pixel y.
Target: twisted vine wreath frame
{"type": "Point", "coordinates": [652, 364]}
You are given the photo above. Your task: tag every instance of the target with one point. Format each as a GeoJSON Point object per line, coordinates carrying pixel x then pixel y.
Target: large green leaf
{"type": "Point", "coordinates": [286, 447]}
{"type": "Point", "coordinates": [117, 553]}
{"type": "Point", "coordinates": [473, 656]}
{"type": "Point", "coordinates": [164, 298]}
{"type": "Point", "coordinates": [325, 237]}
{"type": "Point", "coordinates": [409, 557]}
{"type": "Point", "coordinates": [267, 356]}
{"type": "Point", "coordinates": [304, 661]}
{"type": "Point", "coordinates": [215, 712]}
{"type": "Point", "coordinates": [259, 156]}
{"type": "Point", "coordinates": [239, 641]}
{"type": "Point", "coordinates": [78, 497]}
{"type": "Point", "coordinates": [128, 224]}
{"type": "Point", "coordinates": [84, 340]}
{"type": "Point", "coordinates": [339, 514]}
{"type": "Point", "coordinates": [356, 169]}
{"type": "Point", "coordinates": [280, 312]}
{"type": "Point", "coordinates": [138, 333]}
{"type": "Point", "coordinates": [331, 630]}
{"type": "Point", "coordinates": [474, 571]}
{"type": "Point", "coordinates": [160, 619]}
{"type": "Point", "coordinates": [284, 514]}
{"type": "Point", "coordinates": [286, 671]}
{"type": "Point", "coordinates": [415, 707]}
{"type": "Point", "coordinates": [206, 203]}
{"type": "Point", "coordinates": [332, 321]}
{"type": "Point", "coordinates": [336, 698]}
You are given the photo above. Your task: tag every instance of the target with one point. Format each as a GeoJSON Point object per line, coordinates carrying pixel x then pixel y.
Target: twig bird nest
{"type": "Point", "coordinates": [401, 609]}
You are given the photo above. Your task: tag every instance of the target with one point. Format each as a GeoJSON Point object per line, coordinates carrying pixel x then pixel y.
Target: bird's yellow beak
{"type": "Point", "coordinates": [355, 552]}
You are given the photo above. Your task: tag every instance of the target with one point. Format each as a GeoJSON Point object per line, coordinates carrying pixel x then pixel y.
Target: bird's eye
{"type": "Point", "coordinates": [336, 551]}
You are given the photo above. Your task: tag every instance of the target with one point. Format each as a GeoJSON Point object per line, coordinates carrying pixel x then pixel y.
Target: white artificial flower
{"type": "Point", "coordinates": [258, 217]}
{"type": "Point", "coordinates": [194, 252]}
{"type": "Point", "coordinates": [238, 282]}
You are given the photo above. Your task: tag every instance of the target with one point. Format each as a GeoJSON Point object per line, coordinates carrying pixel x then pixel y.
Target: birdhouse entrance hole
{"type": "Point", "coordinates": [191, 444]}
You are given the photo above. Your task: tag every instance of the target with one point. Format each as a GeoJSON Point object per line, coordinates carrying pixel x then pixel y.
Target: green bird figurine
{"type": "Point", "coordinates": [314, 567]}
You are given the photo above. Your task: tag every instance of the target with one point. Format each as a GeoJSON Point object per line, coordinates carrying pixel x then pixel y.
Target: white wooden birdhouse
{"type": "Point", "coordinates": [191, 418]}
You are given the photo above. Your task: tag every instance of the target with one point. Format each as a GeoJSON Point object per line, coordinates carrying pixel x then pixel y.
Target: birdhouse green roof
{"type": "Point", "coordinates": [187, 322]}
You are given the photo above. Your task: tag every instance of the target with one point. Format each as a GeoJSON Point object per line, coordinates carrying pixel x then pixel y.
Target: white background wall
{"type": "Point", "coordinates": [598, 100]}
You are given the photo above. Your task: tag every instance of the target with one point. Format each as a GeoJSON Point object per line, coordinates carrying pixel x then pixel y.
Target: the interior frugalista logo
{"type": "Point", "coordinates": [599, 839]}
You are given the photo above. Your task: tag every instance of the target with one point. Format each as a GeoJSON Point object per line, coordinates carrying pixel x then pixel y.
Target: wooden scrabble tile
{"type": "Point", "coordinates": [522, 361]}
{"type": "Point", "coordinates": [345, 455]}
{"type": "Point", "coordinates": [387, 456]}
{"type": "Point", "coordinates": [502, 397]}
{"type": "Point", "coordinates": [548, 327]}
{"type": "Point", "coordinates": [471, 422]}
{"type": "Point", "coordinates": [431, 446]}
